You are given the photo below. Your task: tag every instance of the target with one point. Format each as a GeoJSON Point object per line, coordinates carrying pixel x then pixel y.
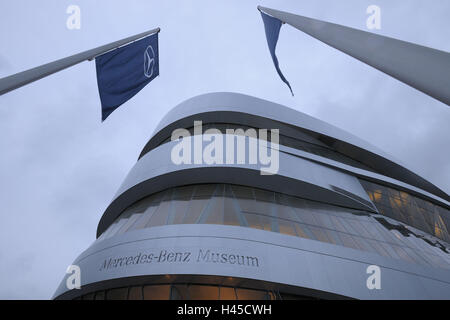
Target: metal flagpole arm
{"type": "Point", "coordinates": [425, 69]}
{"type": "Point", "coordinates": [260, 10]}
{"type": "Point", "coordinates": [25, 77]}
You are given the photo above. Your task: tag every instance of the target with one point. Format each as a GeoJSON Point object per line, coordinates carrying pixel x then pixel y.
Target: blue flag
{"type": "Point", "coordinates": [123, 72]}
{"type": "Point", "coordinates": [272, 26]}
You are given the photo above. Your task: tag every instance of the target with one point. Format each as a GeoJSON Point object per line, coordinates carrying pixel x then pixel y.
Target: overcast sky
{"type": "Point", "coordinates": [60, 166]}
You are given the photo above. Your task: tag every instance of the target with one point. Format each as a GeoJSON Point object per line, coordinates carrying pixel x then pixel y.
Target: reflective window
{"type": "Point", "coordinates": [117, 294]}
{"type": "Point", "coordinates": [180, 292]}
{"type": "Point", "coordinates": [271, 211]}
{"type": "Point", "coordinates": [409, 209]}
{"type": "Point", "coordinates": [227, 293]}
{"type": "Point", "coordinates": [156, 292]}
{"type": "Point", "coordinates": [89, 296]}
{"type": "Point", "coordinates": [100, 295]}
{"type": "Point", "coordinates": [198, 292]}
{"type": "Point", "coordinates": [186, 291]}
{"type": "Point", "coordinates": [135, 293]}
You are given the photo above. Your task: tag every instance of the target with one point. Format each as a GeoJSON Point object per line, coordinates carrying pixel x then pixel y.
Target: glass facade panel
{"type": "Point", "coordinates": [319, 234]}
{"type": "Point", "coordinates": [348, 240]}
{"type": "Point", "coordinates": [144, 220]}
{"type": "Point", "coordinates": [89, 296]}
{"type": "Point", "coordinates": [214, 214]}
{"type": "Point", "coordinates": [275, 212]}
{"type": "Point", "coordinates": [232, 216]}
{"type": "Point", "coordinates": [135, 293]}
{"type": "Point", "coordinates": [198, 292]}
{"type": "Point", "coordinates": [180, 292]}
{"type": "Point", "coordinates": [196, 207]}
{"type": "Point", "coordinates": [253, 220]}
{"type": "Point", "coordinates": [286, 227]}
{"type": "Point", "coordinates": [159, 218]}
{"type": "Point", "coordinates": [266, 223]}
{"type": "Point", "coordinates": [247, 294]}
{"type": "Point", "coordinates": [227, 293]}
{"type": "Point", "coordinates": [117, 294]}
{"type": "Point", "coordinates": [100, 295]}
{"type": "Point", "coordinates": [188, 291]}
{"type": "Point", "coordinates": [156, 292]}
{"type": "Point", "coordinates": [409, 209]}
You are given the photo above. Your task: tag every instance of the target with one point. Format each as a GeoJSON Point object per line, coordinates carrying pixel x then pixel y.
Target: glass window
{"type": "Point", "coordinates": [303, 231]}
{"type": "Point", "coordinates": [349, 227]}
{"type": "Point", "coordinates": [357, 227]}
{"type": "Point", "coordinates": [363, 244]}
{"type": "Point", "coordinates": [144, 219]}
{"type": "Point", "coordinates": [372, 231]}
{"type": "Point", "coordinates": [246, 205]}
{"type": "Point", "coordinates": [286, 227]}
{"type": "Point", "coordinates": [263, 207]}
{"type": "Point", "coordinates": [180, 203]}
{"type": "Point", "coordinates": [135, 293]}
{"type": "Point", "coordinates": [129, 223]}
{"type": "Point", "coordinates": [241, 192]}
{"type": "Point", "coordinates": [388, 247]}
{"type": "Point", "coordinates": [348, 240]}
{"type": "Point", "coordinates": [402, 253]}
{"type": "Point", "coordinates": [271, 295]}
{"type": "Point", "coordinates": [100, 295]}
{"type": "Point", "coordinates": [414, 256]}
{"type": "Point", "coordinates": [406, 208]}
{"type": "Point", "coordinates": [188, 292]}
{"type": "Point", "coordinates": [231, 215]}
{"type": "Point", "coordinates": [267, 223]}
{"type": "Point", "coordinates": [324, 220]}
{"type": "Point", "coordinates": [306, 216]}
{"type": "Point", "coordinates": [204, 191]}
{"type": "Point", "coordinates": [159, 218]}
{"type": "Point", "coordinates": [379, 249]}
{"type": "Point", "coordinates": [214, 212]}
{"type": "Point", "coordinates": [253, 220]}
{"type": "Point", "coordinates": [157, 292]}
{"type": "Point", "coordinates": [319, 234]}
{"type": "Point", "coordinates": [110, 230]}
{"type": "Point", "coordinates": [227, 293]}
{"type": "Point", "coordinates": [116, 227]}
{"type": "Point", "coordinates": [180, 292]}
{"type": "Point", "coordinates": [337, 224]}
{"type": "Point", "coordinates": [117, 294]}
{"type": "Point", "coordinates": [271, 211]}
{"type": "Point", "coordinates": [247, 294]}
{"type": "Point", "coordinates": [198, 292]}
{"type": "Point", "coordinates": [89, 296]}
{"type": "Point", "coordinates": [285, 212]}
{"type": "Point", "coordinates": [333, 236]}
{"type": "Point", "coordinates": [264, 195]}
{"type": "Point", "coordinates": [196, 207]}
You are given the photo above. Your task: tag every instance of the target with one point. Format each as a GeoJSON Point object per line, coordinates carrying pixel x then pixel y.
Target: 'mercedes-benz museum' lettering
{"type": "Point", "coordinates": [170, 256]}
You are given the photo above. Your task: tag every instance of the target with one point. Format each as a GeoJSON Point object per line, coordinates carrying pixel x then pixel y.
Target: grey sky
{"type": "Point", "coordinates": [60, 166]}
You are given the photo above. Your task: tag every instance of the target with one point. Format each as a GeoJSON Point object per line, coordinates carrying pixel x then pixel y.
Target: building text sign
{"type": "Point", "coordinates": [200, 255]}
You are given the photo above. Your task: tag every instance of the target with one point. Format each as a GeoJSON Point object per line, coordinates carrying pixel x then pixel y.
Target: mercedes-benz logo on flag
{"type": "Point", "coordinates": [149, 61]}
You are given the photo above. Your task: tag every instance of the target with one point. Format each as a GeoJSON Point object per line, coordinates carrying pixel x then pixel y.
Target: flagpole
{"type": "Point", "coordinates": [25, 77]}
{"type": "Point", "coordinates": [425, 69]}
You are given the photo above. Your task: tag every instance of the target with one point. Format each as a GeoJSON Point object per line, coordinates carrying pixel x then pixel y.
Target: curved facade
{"type": "Point", "coordinates": [306, 219]}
